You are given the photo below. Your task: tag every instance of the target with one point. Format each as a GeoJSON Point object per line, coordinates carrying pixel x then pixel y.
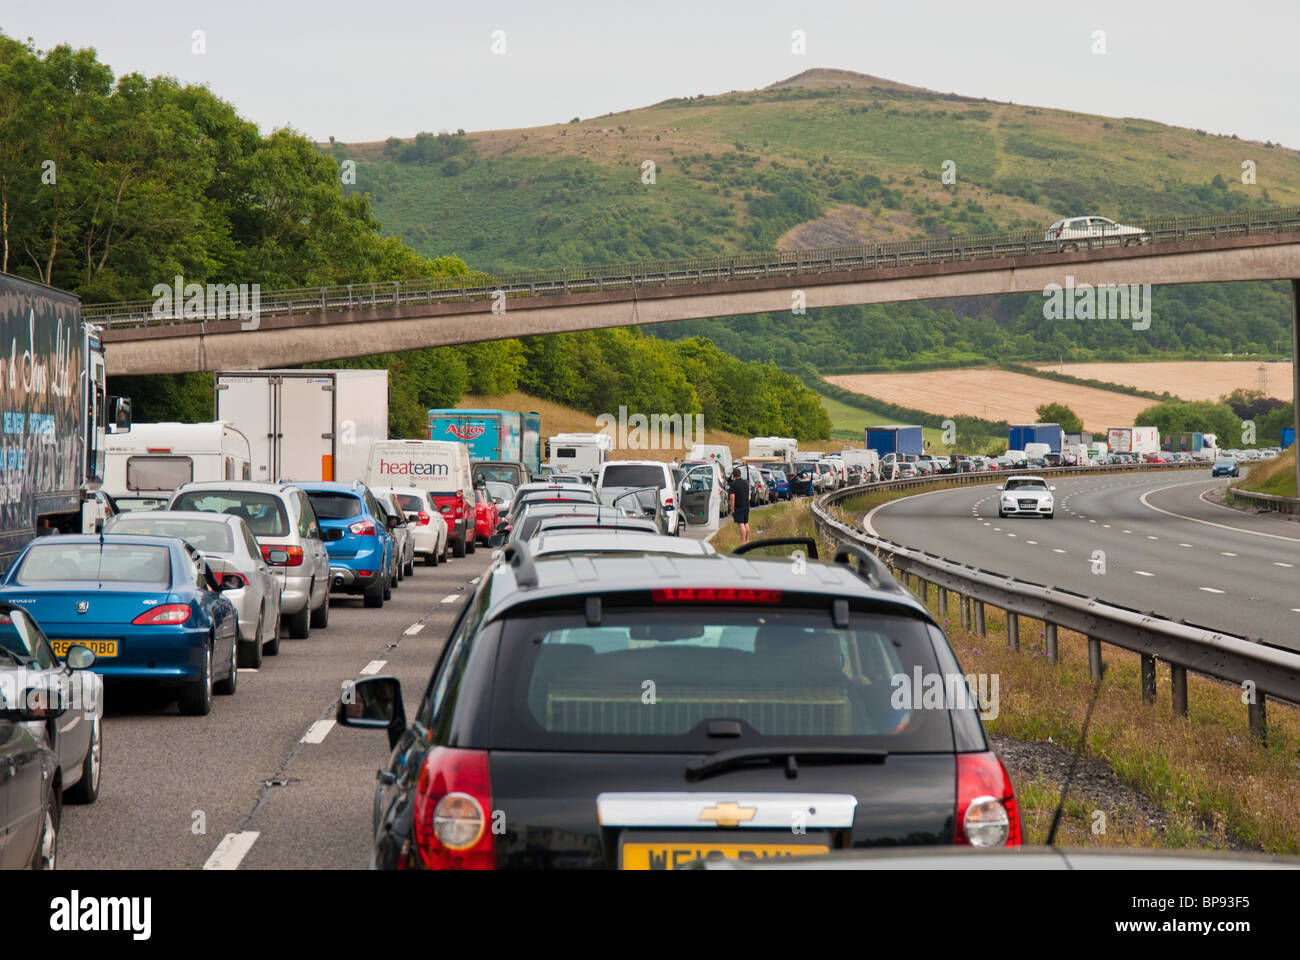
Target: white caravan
{"type": "Point", "coordinates": [579, 452]}
{"type": "Point", "coordinates": [146, 463]}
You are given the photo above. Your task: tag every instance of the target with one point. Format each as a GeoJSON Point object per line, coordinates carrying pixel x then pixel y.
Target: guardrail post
{"type": "Point", "coordinates": [965, 610]}
{"type": "Point", "coordinates": [1013, 632]}
{"type": "Point", "coordinates": [1178, 676]}
{"type": "Point", "coordinates": [1258, 721]}
{"type": "Point", "coordinates": [1094, 658]}
{"type": "Point", "coordinates": [1049, 636]}
{"type": "Point", "coordinates": [943, 601]}
{"type": "Point", "coordinates": [1148, 679]}
{"type": "Point", "coordinates": [979, 618]}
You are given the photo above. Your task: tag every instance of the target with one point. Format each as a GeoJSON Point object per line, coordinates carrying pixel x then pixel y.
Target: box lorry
{"type": "Point", "coordinates": [868, 460]}
{"type": "Point", "coordinates": [146, 463]}
{"type": "Point", "coordinates": [897, 439]}
{"type": "Point", "coordinates": [492, 435]}
{"type": "Point", "coordinates": [1139, 440]}
{"type": "Point", "coordinates": [579, 452]}
{"type": "Point", "coordinates": [1024, 434]}
{"type": "Point", "coordinates": [53, 415]}
{"type": "Point", "coordinates": [306, 424]}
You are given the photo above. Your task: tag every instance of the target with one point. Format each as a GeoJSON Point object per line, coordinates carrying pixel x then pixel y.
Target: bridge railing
{"type": "Point", "coordinates": [1260, 670]}
{"type": "Point", "coordinates": [556, 281]}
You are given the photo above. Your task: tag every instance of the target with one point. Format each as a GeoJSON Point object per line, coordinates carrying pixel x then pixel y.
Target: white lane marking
{"type": "Point", "coordinates": [1209, 523]}
{"type": "Point", "coordinates": [1209, 589]}
{"type": "Point", "coordinates": [475, 580]}
{"type": "Point", "coordinates": [998, 529]}
{"type": "Point", "coordinates": [1106, 525]}
{"type": "Point", "coordinates": [231, 850]}
{"type": "Point", "coordinates": [1149, 537]}
{"type": "Point", "coordinates": [1295, 609]}
{"type": "Point", "coordinates": [1279, 563]}
{"type": "Point", "coordinates": [1010, 534]}
{"type": "Point", "coordinates": [450, 598]}
{"type": "Point", "coordinates": [1225, 553]}
{"type": "Point", "coordinates": [373, 667]}
{"type": "Point", "coordinates": [1034, 542]}
{"type": "Point", "coordinates": [413, 629]}
{"type": "Point", "coordinates": [254, 669]}
{"type": "Point", "coordinates": [1184, 544]}
{"type": "Point", "coordinates": [1143, 573]}
{"type": "Point", "coordinates": [1057, 550]}
{"type": "Point", "coordinates": [1092, 521]}
{"type": "Point", "coordinates": [1128, 531]}
{"type": "Point", "coordinates": [318, 731]}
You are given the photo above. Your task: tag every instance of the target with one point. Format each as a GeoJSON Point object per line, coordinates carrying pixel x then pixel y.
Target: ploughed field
{"type": "Point", "coordinates": [995, 395]}
{"type": "Point", "coordinates": [1187, 379]}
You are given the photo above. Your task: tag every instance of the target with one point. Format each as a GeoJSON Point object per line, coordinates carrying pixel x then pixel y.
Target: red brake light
{"type": "Point", "coordinates": [168, 614]}
{"type": "Point", "coordinates": [453, 811]}
{"type": "Point", "coordinates": [295, 555]}
{"type": "Point", "coordinates": [363, 528]}
{"type": "Point", "coordinates": [714, 595]}
{"type": "Point", "coordinates": [424, 519]}
{"type": "Point", "coordinates": [987, 814]}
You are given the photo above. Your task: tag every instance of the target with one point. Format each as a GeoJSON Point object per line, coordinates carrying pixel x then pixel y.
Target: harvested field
{"type": "Point", "coordinates": [994, 395]}
{"type": "Point", "coordinates": [1187, 379]}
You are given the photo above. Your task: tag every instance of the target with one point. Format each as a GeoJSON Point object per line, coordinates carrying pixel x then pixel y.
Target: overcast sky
{"type": "Point", "coordinates": [368, 70]}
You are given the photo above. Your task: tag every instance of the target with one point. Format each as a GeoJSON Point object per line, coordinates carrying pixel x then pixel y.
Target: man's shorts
{"type": "Point", "coordinates": [740, 516]}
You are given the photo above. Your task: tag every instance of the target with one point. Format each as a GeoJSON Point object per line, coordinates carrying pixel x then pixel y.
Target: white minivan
{"type": "Point", "coordinates": [442, 467]}
{"type": "Point", "coordinates": [645, 473]}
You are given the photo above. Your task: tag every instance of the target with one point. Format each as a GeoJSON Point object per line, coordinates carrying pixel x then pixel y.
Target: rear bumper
{"type": "Point", "coordinates": [165, 655]}
{"type": "Point", "coordinates": [349, 581]}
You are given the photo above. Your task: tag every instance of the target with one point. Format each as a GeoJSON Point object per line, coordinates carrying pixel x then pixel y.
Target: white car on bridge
{"type": "Point", "coordinates": [1025, 496]}
{"type": "Point", "coordinates": [1090, 228]}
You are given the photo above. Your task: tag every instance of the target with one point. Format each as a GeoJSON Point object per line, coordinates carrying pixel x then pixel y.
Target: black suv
{"type": "Point", "coordinates": [646, 711]}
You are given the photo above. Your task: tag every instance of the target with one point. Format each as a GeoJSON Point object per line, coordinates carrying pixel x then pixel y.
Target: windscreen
{"type": "Point", "coordinates": [803, 466]}
{"type": "Point", "coordinates": [410, 503]}
{"type": "Point", "coordinates": [502, 491]}
{"type": "Point", "coordinates": [632, 475]}
{"type": "Point", "coordinates": [335, 506]}
{"type": "Point", "coordinates": [206, 536]}
{"type": "Point", "coordinates": [263, 512]}
{"type": "Point", "coordinates": [1025, 485]}
{"type": "Point", "coordinates": [158, 473]}
{"type": "Point", "coordinates": [786, 674]}
{"type": "Point", "coordinates": [93, 562]}
{"type": "Point", "coordinates": [503, 473]}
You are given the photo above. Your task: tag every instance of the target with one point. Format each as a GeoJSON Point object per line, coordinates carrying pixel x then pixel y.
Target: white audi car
{"type": "Point", "coordinates": [1025, 496]}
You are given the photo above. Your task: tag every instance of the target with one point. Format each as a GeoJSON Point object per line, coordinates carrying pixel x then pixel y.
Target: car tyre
{"type": "Point", "coordinates": [457, 548]}
{"type": "Point", "coordinates": [272, 647]}
{"type": "Point", "coordinates": [300, 623]}
{"type": "Point", "coordinates": [374, 597]}
{"type": "Point", "coordinates": [320, 617]}
{"type": "Point", "coordinates": [388, 585]}
{"type": "Point", "coordinates": [1001, 515]}
{"type": "Point", "coordinates": [47, 849]}
{"type": "Point", "coordinates": [430, 559]}
{"type": "Point", "coordinates": [250, 654]}
{"type": "Point", "coordinates": [470, 545]}
{"type": "Point", "coordinates": [87, 788]}
{"type": "Point", "coordinates": [228, 686]}
{"type": "Point", "coordinates": [410, 567]}
{"type": "Point", "coordinates": [196, 699]}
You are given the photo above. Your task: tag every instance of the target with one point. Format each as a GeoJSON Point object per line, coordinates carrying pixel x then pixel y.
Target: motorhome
{"type": "Point", "coordinates": [783, 449]}
{"type": "Point", "coordinates": [146, 463]}
{"type": "Point", "coordinates": [579, 452]}
{"type": "Point", "coordinates": [713, 451]}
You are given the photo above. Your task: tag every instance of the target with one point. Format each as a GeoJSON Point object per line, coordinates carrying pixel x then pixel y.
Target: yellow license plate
{"type": "Point", "coordinates": [670, 856]}
{"type": "Point", "coordinates": [100, 648]}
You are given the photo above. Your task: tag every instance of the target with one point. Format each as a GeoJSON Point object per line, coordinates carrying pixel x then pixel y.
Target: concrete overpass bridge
{"type": "Point", "coordinates": [306, 326]}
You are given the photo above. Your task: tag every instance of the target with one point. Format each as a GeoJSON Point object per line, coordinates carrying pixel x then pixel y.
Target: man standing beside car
{"type": "Point", "coordinates": [739, 492]}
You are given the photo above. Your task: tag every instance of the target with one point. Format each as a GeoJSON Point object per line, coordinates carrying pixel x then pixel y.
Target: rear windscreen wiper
{"type": "Point", "coordinates": [729, 759]}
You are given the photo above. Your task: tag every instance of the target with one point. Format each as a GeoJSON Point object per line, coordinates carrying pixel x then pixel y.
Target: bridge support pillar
{"type": "Point", "coordinates": [1258, 721]}
{"type": "Point", "coordinates": [1049, 635]}
{"type": "Point", "coordinates": [1148, 679]}
{"type": "Point", "coordinates": [1094, 658]}
{"type": "Point", "coordinates": [1178, 676]}
{"type": "Point", "coordinates": [1013, 632]}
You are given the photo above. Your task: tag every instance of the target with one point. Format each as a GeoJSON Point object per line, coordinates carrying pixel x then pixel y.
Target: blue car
{"type": "Point", "coordinates": [362, 562]}
{"type": "Point", "coordinates": [148, 607]}
{"type": "Point", "coordinates": [1225, 467]}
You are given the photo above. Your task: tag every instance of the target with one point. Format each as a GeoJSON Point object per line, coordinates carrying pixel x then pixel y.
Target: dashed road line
{"type": "Point", "coordinates": [1211, 590]}
{"type": "Point", "coordinates": [373, 667]}
{"type": "Point", "coordinates": [1143, 573]}
{"type": "Point", "coordinates": [231, 850]}
{"type": "Point", "coordinates": [318, 731]}
{"type": "Point", "coordinates": [450, 598]}
{"type": "Point", "coordinates": [413, 629]}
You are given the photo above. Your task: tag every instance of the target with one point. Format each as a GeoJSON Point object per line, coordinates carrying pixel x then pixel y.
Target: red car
{"type": "Point", "coordinates": [1155, 458]}
{"type": "Point", "coordinates": [487, 518]}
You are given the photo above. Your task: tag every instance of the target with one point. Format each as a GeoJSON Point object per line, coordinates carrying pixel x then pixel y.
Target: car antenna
{"type": "Point", "coordinates": [1074, 760]}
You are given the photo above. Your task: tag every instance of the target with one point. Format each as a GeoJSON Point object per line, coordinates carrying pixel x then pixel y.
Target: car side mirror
{"type": "Point", "coordinates": [374, 703]}
{"type": "Point", "coordinates": [330, 535]}
{"type": "Point", "coordinates": [79, 657]}
{"type": "Point", "coordinates": [412, 518]}
{"type": "Point", "coordinates": [393, 521]}
{"type": "Point", "coordinates": [1051, 488]}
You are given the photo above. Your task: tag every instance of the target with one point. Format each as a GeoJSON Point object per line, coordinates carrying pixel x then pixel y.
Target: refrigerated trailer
{"type": "Point", "coordinates": [306, 424]}
{"type": "Point", "coordinates": [53, 414]}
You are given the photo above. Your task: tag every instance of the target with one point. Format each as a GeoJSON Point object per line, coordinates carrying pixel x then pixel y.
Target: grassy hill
{"type": "Point", "coordinates": [824, 157]}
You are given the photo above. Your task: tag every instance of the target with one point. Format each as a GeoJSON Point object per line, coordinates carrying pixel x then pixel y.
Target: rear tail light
{"type": "Point", "coordinates": [714, 595]}
{"type": "Point", "coordinates": [453, 807]}
{"type": "Point", "coordinates": [169, 614]}
{"type": "Point", "coordinates": [231, 581]}
{"type": "Point", "coordinates": [424, 519]}
{"type": "Point", "coordinates": [295, 555]}
{"type": "Point", "coordinates": [363, 528]}
{"type": "Point", "coordinates": [987, 813]}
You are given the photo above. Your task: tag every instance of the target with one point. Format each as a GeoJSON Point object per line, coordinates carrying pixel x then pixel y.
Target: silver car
{"type": "Point", "coordinates": [74, 695]}
{"type": "Point", "coordinates": [233, 553]}
{"type": "Point", "coordinates": [424, 521]}
{"type": "Point", "coordinates": [290, 538]}
{"type": "Point", "coordinates": [403, 540]}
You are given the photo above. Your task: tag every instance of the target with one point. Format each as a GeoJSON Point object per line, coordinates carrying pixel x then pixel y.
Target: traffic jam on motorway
{"type": "Point", "coordinates": [613, 693]}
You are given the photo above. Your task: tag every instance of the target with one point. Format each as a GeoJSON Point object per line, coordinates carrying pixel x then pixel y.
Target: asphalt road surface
{"type": "Point", "coordinates": [1165, 548]}
{"type": "Point", "coordinates": [174, 787]}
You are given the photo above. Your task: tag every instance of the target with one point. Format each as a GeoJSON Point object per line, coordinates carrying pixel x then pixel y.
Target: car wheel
{"type": "Point", "coordinates": [457, 548]}
{"type": "Point", "coordinates": [1051, 516]}
{"type": "Point", "coordinates": [320, 617]}
{"type": "Point", "coordinates": [87, 788]}
{"type": "Point", "coordinates": [1001, 515]}
{"type": "Point", "coordinates": [388, 585]}
{"type": "Point", "coordinates": [430, 559]}
{"type": "Point", "coordinates": [300, 623]}
{"type": "Point", "coordinates": [196, 699]}
{"type": "Point", "coordinates": [47, 850]}
{"type": "Point", "coordinates": [470, 545]}
{"type": "Point", "coordinates": [250, 654]}
{"type": "Point", "coordinates": [272, 647]}
{"type": "Point", "coordinates": [410, 567]}
{"type": "Point", "coordinates": [228, 686]}
{"type": "Point", "coordinates": [374, 597]}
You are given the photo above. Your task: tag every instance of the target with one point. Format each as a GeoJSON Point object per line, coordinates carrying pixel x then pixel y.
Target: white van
{"type": "Point", "coordinates": [713, 451]}
{"type": "Point", "coordinates": [442, 467]}
{"type": "Point", "coordinates": [146, 463]}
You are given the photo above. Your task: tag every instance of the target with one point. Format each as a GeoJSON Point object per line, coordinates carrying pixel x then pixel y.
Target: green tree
{"type": "Point", "coordinates": [1060, 413]}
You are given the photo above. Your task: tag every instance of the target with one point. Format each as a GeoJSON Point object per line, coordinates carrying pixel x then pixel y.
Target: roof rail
{"type": "Point", "coordinates": [521, 561]}
{"type": "Point", "coordinates": [807, 543]}
{"type": "Point", "coordinates": [869, 566]}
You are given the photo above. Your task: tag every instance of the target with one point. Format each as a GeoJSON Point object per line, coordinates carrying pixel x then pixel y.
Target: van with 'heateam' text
{"type": "Point", "coordinates": [441, 467]}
